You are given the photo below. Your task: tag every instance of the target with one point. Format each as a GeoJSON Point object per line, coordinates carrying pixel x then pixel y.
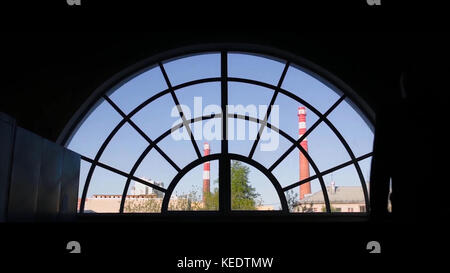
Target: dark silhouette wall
{"type": "Point", "coordinates": [38, 178]}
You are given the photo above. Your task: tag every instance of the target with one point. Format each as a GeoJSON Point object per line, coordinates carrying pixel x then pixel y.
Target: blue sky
{"type": "Point", "coordinates": [127, 145]}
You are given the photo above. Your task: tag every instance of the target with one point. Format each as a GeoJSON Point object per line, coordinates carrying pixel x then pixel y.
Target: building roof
{"type": "Point", "coordinates": [342, 194]}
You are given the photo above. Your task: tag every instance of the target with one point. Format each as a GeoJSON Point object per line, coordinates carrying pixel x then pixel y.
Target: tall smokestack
{"type": "Point", "coordinates": [304, 164]}
{"type": "Point", "coordinates": [205, 173]}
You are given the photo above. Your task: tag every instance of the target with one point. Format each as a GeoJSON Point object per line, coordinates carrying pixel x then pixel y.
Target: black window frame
{"type": "Point", "coordinates": [101, 94]}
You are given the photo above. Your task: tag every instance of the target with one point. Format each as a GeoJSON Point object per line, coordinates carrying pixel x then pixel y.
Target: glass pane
{"type": "Point", "coordinates": [180, 150]}
{"type": "Point", "coordinates": [105, 192]}
{"type": "Point", "coordinates": [251, 189]}
{"type": "Point", "coordinates": [193, 68]}
{"type": "Point", "coordinates": [201, 99]}
{"type": "Point", "coordinates": [309, 89]}
{"type": "Point", "coordinates": [254, 67]}
{"type": "Point", "coordinates": [124, 149]}
{"type": "Point", "coordinates": [157, 117]}
{"type": "Point", "coordinates": [138, 89]}
{"type": "Point", "coordinates": [198, 189]}
{"type": "Point", "coordinates": [353, 128]}
{"type": "Point", "coordinates": [241, 135]}
{"type": "Point", "coordinates": [90, 136]}
{"type": "Point", "coordinates": [247, 99]}
{"type": "Point", "coordinates": [312, 203]}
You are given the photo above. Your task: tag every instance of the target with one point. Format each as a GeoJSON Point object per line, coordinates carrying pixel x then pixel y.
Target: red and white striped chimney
{"type": "Point", "coordinates": [205, 172]}
{"type": "Point", "coordinates": [304, 164]}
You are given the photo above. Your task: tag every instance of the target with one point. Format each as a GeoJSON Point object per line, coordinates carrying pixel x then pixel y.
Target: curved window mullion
{"type": "Point", "coordinates": [193, 164]}
{"type": "Point", "coordinates": [177, 178]}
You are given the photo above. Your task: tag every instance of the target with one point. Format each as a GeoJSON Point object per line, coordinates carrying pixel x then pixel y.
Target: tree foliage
{"type": "Point", "coordinates": [143, 205]}
{"type": "Point", "coordinates": [243, 195]}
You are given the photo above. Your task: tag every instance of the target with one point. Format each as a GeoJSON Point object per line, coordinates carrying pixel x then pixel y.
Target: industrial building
{"type": "Point", "coordinates": [106, 203]}
{"type": "Point", "coordinates": [342, 199]}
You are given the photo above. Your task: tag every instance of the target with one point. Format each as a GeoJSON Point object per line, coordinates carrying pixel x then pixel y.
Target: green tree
{"type": "Point", "coordinates": [146, 205]}
{"type": "Point", "coordinates": [243, 195]}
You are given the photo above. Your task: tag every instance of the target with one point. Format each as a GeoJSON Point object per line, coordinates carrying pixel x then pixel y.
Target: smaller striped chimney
{"type": "Point", "coordinates": [206, 169]}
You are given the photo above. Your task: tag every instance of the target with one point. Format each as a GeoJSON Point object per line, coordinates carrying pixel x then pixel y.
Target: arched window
{"type": "Point", "coordinates": [295, 138]}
